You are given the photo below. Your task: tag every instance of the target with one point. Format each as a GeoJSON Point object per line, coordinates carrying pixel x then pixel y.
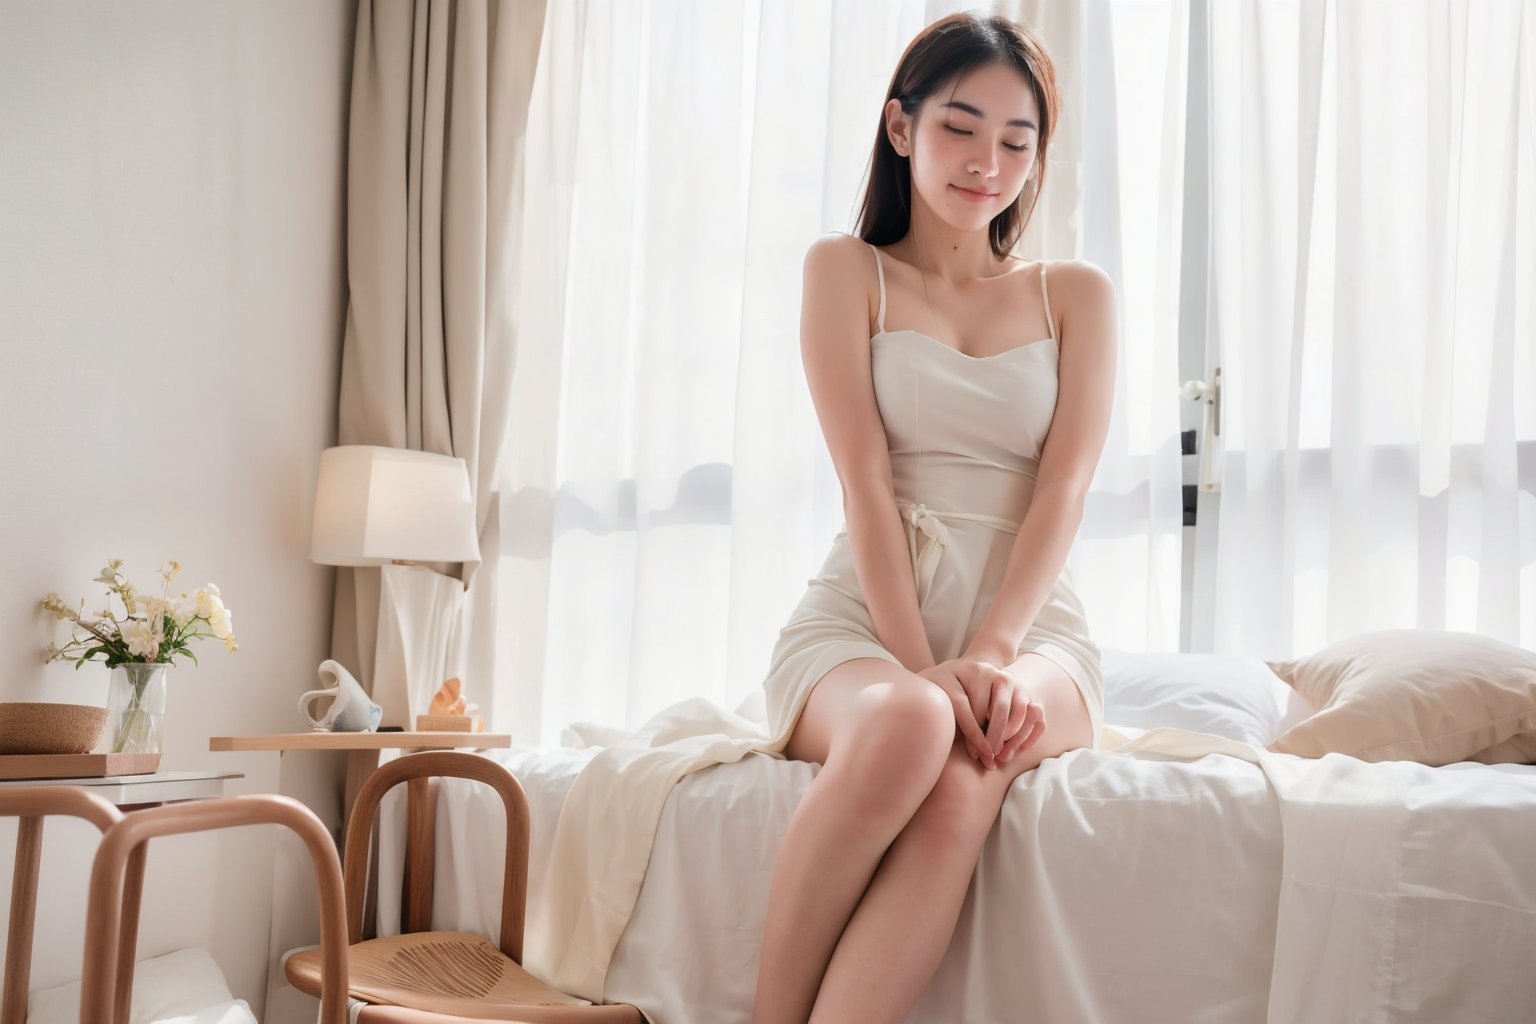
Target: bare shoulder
{"type": "Point", "coordinates": [841, 265]}
{"type": "Point", "coordinates": [839, 254]}
{"type": "Point", "coordinates": [1082, 299]}
{"type": "Point", "coordinates": [1079, 282]}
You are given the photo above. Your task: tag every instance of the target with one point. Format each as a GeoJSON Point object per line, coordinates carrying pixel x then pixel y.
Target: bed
{"type": "Point", "coordinates": [1186, 876]}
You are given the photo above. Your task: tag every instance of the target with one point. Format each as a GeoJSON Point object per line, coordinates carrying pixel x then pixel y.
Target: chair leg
{"type": "Point", "coordinates": [18, 948]}
{"type": "Point", "coordinates": [128, 934]}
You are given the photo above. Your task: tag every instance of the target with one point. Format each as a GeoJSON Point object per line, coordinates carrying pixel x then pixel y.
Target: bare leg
{"type": "Point", "coordinates": [904, 922]}
{"type": "Point", "coordinates": [883, 740]}
{"type": "Point", "coordinates": [906, 918]}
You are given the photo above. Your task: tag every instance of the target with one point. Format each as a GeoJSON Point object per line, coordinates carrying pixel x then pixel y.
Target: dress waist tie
{"type": "Point", "coordinates": [931, 524]}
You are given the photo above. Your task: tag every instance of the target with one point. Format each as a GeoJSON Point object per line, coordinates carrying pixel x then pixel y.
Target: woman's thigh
{"type": "Point", "coordinates": [847, 697]}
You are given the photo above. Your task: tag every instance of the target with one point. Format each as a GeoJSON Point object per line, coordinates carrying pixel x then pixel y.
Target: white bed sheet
{"type": "Point", "coordinates": [1124, 886]}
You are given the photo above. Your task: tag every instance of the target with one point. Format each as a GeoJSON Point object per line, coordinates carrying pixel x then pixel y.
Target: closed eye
{"type": "Point", "coordinates": [961, 131]}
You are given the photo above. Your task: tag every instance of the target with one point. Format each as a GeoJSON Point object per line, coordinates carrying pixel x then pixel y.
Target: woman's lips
{"type": "Point", "coordinates": [975, 197]}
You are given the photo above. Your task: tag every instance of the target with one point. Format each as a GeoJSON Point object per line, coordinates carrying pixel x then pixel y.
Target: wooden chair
{"type": "Point", "coordinates": [113, 913]}
{"type": "Point", "coordinates": [427, 977]}
{"type": "Point", "coordinates": [117, 883]}
{"type": "Point", "coordinates": [31, 804]}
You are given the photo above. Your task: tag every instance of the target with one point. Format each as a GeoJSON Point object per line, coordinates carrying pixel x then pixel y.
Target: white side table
{"type": "Point", "coordinates": [150, 790]}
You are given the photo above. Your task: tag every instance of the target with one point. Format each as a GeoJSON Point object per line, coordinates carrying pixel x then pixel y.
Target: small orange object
{"type": "Point", "coordinates": [447, 700]}
{"type": "Point", "coordinates": [451, 711]}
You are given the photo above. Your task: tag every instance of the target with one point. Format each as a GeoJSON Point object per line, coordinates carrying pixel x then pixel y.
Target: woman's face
{"type": "Point", "coordinates": [973, 145]}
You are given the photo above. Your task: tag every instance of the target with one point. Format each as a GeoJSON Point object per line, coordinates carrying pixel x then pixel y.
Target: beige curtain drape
{"type": "Point", "coordinates": [439, 107]}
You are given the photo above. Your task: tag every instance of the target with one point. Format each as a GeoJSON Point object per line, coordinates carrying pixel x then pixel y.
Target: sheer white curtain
{"type": "Point", "coordinates": [1374, 246]}
{"type": "Point", "coordinates": [669, 491]}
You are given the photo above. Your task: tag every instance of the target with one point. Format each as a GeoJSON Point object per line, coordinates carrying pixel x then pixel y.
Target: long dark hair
{"type": "Point", "coordinates": [942, 52]}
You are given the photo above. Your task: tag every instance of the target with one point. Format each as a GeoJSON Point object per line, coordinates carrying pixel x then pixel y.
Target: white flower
{"type": "Point", "coordinates": [207, 603]}
{"type": "Point", "coordinates": [184, 610]}
{"type": "Point", "coordinates": [154, 607]}
{"type": "Point", "coordinates": [140, 638]}
{"type": "Point", "coordinates": [152, 626]}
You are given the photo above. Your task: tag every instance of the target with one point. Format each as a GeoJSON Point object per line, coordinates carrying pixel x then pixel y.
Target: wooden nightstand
{"type": "Point", "coordinates": [362, 749]}
{"type": "Point", "coordinates": [362, 758]}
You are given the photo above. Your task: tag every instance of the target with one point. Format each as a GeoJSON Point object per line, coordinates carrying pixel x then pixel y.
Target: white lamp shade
{"type": "Point", "coordinates": [374, 505]}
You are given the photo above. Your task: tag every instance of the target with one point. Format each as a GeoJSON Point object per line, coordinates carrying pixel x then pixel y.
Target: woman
{"type": "Point", "coordinates": [940, 653]}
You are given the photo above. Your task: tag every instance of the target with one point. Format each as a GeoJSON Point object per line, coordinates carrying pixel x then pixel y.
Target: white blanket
{"type": "Point", "coordinates": [1183, 871]}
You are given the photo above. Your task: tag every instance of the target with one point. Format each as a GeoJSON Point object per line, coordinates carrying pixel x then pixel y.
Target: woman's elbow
{"type": "Point", "coordinates": [865, 487]}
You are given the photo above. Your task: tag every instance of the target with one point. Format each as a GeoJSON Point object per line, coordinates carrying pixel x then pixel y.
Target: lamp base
{"type": "Point", "coordinates": [417, 609]}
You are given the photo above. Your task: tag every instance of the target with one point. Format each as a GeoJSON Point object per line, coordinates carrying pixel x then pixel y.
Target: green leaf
{"type": "Point", "coordinates": [188, 652]}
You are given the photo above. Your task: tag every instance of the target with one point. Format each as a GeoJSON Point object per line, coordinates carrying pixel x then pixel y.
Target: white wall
{"type": "Point", "coordinates": [172, 296]}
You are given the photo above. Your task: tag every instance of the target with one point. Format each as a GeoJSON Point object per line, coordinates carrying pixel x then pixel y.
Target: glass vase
{"type": "Point", "coordinates": [136, 707]}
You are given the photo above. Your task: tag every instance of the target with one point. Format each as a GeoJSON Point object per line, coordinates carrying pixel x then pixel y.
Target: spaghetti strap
{"type": "Point", "coordinates": [1050, 321]}
{"type": "Point", "coordinates": [880, 272]}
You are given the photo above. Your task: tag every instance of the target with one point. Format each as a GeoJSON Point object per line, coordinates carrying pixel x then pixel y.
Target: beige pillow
{"type": "Point", "coordinates": [1415, 695]}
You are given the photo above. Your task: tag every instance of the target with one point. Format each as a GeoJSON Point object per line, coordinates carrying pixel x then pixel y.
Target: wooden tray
{"type": "Point", "coordinates": [75, 766]}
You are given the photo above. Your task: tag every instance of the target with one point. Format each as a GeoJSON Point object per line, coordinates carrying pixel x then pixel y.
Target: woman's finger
{"type": "Point", "coordinates": [1035, 728]}
{"type": "Point", "coordinates": [952, 680]}
{"type": "Point", "coordinates": [997, 714]}
{"type": "Point", "coordinates": [1018, 714]}
{"type": "Point", "coordinates": [1029, 732]}
{"type": "Point", "coordinates": [978, 688]}
{"type": "Point", "coordinates": [972, 731]}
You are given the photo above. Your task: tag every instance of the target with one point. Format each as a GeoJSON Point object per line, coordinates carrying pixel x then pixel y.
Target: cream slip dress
{"type": "Point", "coordinates": [965, 435]}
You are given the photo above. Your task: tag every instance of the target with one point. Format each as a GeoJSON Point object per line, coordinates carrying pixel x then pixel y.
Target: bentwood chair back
{"type": "Point", "coordinates": [113, 911]}
{"type": "Point", "coordinates": [30, 805]}
{"type": "Point", "coordinates": [432, 977]}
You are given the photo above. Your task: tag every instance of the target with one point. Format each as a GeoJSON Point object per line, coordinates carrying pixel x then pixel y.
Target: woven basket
{"type": "Point", "coordinates": [30, 727]}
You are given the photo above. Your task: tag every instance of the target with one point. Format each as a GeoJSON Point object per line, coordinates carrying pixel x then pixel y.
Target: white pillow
{"type": "Point", "coordinates": [185, 987]}
{"type": "Point", "coordinates": [1228, 695]}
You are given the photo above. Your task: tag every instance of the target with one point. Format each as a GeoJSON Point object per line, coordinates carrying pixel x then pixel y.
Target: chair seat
{"type": "Point", "coordinates": [452, 973]}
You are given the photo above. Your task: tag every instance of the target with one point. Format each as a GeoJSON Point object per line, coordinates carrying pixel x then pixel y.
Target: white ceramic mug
{"type": "Point", "coordinates": [350, 709]}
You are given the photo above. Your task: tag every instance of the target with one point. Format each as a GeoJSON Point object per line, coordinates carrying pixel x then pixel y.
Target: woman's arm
{"type": "Point", "coordinates": [834, 346]}
{"type": "Point", "coordinates": [1085, 395]}
{"type": "Point", "coordinates": [884, 566]}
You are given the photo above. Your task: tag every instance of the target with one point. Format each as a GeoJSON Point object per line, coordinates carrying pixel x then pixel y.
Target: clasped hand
{"type": "Point", "coordinates": [993, 711]}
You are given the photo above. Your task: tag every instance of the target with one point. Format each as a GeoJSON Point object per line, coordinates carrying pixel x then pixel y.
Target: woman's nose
{"type": "Point", "coordinates": [984, 164]}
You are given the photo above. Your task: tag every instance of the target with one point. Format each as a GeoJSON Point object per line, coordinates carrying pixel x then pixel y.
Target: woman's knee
{"type": "Point", "coordinates": [895, 743]}
{"type": "Point", "coordinates": [964, 798]}
{"type": "Point", "coordinates": [910, 718]}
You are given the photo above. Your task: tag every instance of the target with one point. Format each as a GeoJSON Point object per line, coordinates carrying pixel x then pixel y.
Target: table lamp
{"type": "Point", "coordinates": [393, 508]}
